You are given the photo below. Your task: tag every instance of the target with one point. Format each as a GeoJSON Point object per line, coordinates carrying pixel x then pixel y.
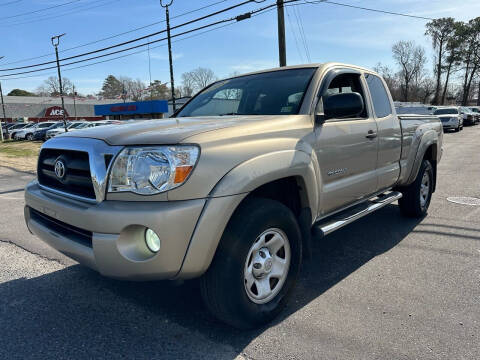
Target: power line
{"type": "Point", "coordinates": [10, 3]}
{"type": "Point", "coordinates": [253, 13]}
{"type": "Point", "coordinates": [134, 40]}
{"type": "Point", "coordinates": [294, 35]}
{"type": "Point", "coordinates": [73, 10]}
{"type": "Point", "coordinates": [115, 35]}
{"type": "Point", "coordinates": [302, 33]}
{"type": "Point", "coordinates": [39, 10]}
{"type": "Point", "coordinates": [367, 9]}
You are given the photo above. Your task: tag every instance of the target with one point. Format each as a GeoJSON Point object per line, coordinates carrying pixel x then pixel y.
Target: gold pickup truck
{"type": "Point", "coordinates": [230, 189]}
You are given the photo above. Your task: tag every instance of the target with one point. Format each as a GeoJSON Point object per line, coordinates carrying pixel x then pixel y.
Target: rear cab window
{"type": "Point", "coordinates": [381, 102]}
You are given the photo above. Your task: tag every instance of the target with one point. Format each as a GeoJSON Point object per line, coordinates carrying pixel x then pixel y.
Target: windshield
{"type": "Point", "coordinates": [445, 111]}
{"type": "Point", "coordinates": [44, 125]}
{"type": "Point", "coordinates": [75, 125]}
{"type": "Point", "coordinates": [271, 93]}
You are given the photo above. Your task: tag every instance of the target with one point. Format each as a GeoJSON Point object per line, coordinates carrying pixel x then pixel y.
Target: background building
{"type": "Point", "coordinates": [153, 109]}
{"type": "Point", "coordinates": [33, 108]}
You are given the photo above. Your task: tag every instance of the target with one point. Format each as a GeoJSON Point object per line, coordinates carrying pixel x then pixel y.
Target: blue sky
{"type": "Point", "coordinates": [333, 33]}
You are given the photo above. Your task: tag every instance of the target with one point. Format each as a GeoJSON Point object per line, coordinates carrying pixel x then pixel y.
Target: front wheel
{"type": "Point", "coordinates": [417, 196]}
{"type": "Point", "coordinates": [30, 137]}
{"type": "Point", "coordinates": [255, 266]}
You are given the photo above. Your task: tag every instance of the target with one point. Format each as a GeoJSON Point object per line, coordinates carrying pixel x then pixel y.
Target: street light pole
{"type": "Point", "coordinates": [281, 34]}
{"type": "Point", "coordinates": [4, 116]}
{"type": "Point", "coordinates": [172, 83]}
{"type": "Point", "coordinates": [55, 42]}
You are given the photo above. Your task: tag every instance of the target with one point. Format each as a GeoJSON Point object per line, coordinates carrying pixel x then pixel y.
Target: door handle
{"type": "Point", "coordinates": [371, 134]}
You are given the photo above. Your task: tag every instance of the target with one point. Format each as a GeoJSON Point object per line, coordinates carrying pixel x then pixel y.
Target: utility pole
{"type": "Point", "coordinates": [124, 93]}
{"type": "Point", "coordinates": [55, 42]}
{"type": "Point", "coordinates": [478, 94]}
{"type": "Point", "coordinates": [3, 107]}
{"type": "Point", "coordinates": [172, 83]}
{"type": "Point", "coordinates": [74, 102]}
{"type": "Point", "coordinates": [281, 34]}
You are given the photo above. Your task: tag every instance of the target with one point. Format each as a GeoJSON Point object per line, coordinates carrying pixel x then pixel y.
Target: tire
{"type": "Point", "coordinates": [416, 197]}
{"type": "Point", "coordinates": [229, 287]}
{"type": "Point", "coordinates": [29, 137]}
{"type": "Point", "coordinates": [457, 129]}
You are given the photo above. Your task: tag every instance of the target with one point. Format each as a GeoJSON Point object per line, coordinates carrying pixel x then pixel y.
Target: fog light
{"type": "Point", "coordinates": [152, 240]}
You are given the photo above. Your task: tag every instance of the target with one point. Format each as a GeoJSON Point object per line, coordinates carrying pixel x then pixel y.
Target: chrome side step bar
{"type": "Point", "coordinates": [340, 220]}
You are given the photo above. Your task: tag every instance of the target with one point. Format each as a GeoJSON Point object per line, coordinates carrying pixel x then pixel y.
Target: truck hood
{"type": "Point", "coordinates": [163, 131]}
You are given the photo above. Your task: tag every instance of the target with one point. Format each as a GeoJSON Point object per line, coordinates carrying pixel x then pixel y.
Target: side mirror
{"type": "Point", "coordinates": [343, 105]}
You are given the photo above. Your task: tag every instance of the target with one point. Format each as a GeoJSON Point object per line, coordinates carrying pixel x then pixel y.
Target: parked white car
{"type": "Point", "coordinates": [18, 128]}
{"type": "Point", "coordinates": [70, 126]}
{"type": "Point", "coordinates": [27, 132]}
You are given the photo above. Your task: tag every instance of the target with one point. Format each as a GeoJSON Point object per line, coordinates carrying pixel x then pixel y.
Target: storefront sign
{"type": "Point", "coordinates": [55, 112]}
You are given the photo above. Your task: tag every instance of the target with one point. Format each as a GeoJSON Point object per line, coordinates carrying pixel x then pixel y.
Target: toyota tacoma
{"type": "Point", "coordinates": [232, 187]}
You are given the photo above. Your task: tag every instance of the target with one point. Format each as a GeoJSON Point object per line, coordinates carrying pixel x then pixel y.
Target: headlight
{"type": "Point", "coordinates": [152, 170]}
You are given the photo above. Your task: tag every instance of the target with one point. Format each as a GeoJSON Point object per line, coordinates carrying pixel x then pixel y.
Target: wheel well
{"type": "Point", "coordinates": [289, 191]}
{"type": "Point", "coordinates": [431, 155]}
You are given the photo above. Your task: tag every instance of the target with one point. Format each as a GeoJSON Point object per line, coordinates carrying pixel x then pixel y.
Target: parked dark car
{"type": "Point", "coordinates": [41, 133]}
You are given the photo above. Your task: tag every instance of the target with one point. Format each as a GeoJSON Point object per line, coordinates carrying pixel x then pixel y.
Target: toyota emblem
{"type": "Point", "coordinates": [59, 169]}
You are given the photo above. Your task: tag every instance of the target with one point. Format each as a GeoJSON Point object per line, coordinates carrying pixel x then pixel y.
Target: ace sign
{"type": "Point", "coordinates": [55, 112]}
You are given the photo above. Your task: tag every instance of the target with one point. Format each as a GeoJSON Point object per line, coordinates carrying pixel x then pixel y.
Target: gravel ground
{"type": "Point", "coordinates": [384, 287]}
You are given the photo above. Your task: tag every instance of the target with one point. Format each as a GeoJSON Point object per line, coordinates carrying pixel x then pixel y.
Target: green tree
{"type": "Point", "coordinates": [440, 31]}
{"type": "Point", "coordinates": [453, 52]}
{"type": "Point", "coordinates": [159, 90]}
{"type": "Point", "coordinates": [112, 88]}
{"type": "Point", "coordinates": [20, 92]}
{"type": "Point", "coordinates": [470, 56]}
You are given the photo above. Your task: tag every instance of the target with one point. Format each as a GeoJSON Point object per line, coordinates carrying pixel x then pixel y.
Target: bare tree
{"type": "Point", "coordinates": [426, 89]}
{"type": "Point", "coordinates": [188, 85]}
{"type": "Point", "coordinates": [411, 59]}
{"type": "Point", "coordinates": [51, 87]}
{"type": "Point", "coordinates": [135, 89]}
{"type": "Point", "coordinates": [197, 79]}
{"type": "Point", "coordinates": [391, 78]}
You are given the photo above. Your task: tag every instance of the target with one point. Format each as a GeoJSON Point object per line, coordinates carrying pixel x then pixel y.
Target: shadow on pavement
{"type": "Point", "coordinates": [76, 313]}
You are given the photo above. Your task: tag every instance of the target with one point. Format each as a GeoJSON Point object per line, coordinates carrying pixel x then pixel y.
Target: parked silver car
{"type": "Point", "coordinates": [450, 117]}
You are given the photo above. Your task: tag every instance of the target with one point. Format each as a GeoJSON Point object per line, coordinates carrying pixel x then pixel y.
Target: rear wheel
{"type": "Point", "coordinates": [29, 137]}
{"type": "Point", "coordinates": [417, 196]}
{"type": "Point", "coordinates": [256, 265]}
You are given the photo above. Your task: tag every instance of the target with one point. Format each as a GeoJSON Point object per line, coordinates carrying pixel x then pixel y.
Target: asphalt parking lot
{"type": "Point", "coordinates": [385, 287]}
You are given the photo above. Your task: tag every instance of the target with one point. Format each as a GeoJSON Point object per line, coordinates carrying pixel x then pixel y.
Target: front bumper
{"type": "Point", "coordinates": [116, 229]}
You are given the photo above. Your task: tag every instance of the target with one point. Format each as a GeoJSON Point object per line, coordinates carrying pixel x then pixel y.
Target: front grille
{"type": "Point", "coordinates": [73, 233]}
{"type": "Point", "coordinates": [77, 179]}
